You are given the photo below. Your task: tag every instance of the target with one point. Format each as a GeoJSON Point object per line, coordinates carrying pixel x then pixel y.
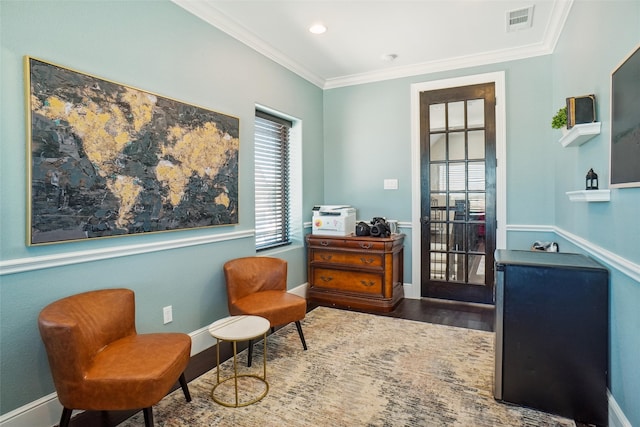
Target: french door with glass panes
{"type": "Point", "coordinates": [458, 192]}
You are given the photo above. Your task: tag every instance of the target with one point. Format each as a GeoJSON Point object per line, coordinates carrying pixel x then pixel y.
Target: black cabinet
{"type": "Point", "coordinates": [552, 333]}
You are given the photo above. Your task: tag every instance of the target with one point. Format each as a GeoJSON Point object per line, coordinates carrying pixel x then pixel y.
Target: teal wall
{"type": "Point", "coordinates": [159, 47]}
{"type": "Point", "coordinates": [367, 132]}
{"type": "Point", "coordinates": [368, 138]}
{"type": "Point", "coordinates": [353, 138]}
{"type": "Point", "coordinates": [597, 37]}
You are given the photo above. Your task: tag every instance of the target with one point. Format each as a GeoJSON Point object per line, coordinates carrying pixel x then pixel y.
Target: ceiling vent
{"type": "Point", "coordinates": [519, 19]}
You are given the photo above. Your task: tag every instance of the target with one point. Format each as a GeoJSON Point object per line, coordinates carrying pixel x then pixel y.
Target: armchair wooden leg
{"type": "Point", "coordinates": [148, 417]}
{"type": "Point", "coordinates": [185, 387]}
{"type": "Point", "coordinates": [299, 327]}
{"type": "Point", "coordinates": [250, 355]}
{"type": "Point", "coordinates": [65, 417]}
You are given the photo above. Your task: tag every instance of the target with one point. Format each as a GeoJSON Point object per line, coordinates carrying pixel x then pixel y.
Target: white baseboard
{"type": "Point", "coordinates": [45, 411]}
{"type": "Point", "coordinates": [300, 290]}
{"type": "Point", "coordinates": [616, 416]}
{"type": "Point", "coordinates": [410, 291]}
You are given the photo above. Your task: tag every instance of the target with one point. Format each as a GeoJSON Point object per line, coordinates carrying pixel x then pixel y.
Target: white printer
{"type": "Point", "coordinates": [334, 220]}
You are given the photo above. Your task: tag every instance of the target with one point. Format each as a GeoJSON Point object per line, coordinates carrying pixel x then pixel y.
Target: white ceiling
{"type": "Point", "coordinates": [426, 35]}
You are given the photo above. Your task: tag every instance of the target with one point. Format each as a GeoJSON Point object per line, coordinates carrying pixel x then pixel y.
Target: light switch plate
{"type": "Point", "coordinates": [391, 184]}
{"type": "Point", "coordinates": [167, 313]}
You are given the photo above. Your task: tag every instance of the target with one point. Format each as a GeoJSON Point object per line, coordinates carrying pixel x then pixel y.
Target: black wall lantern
{"type": "Point", "coordinates": [592, 180]}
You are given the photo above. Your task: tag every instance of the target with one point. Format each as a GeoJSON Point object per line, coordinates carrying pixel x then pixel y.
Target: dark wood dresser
{"type": "Point", "coordinates": [356, 272]}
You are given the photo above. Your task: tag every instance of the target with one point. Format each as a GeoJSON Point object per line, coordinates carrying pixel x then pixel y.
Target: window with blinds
{"type": "Point", "coordinates": [272, 180]}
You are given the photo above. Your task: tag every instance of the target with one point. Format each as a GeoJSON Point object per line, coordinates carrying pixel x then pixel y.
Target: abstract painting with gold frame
{"type": "Point", "coordinates": [106, 159]}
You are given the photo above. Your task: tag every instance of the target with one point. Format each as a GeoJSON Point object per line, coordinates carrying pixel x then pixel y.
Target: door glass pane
{"type": "Point", "coordinates": [457, 176]}
{"type": "Point", "coordinates": [476, 144]}
{"type": "Point", "coordinates": [475, 112]}
{"type": "Point", "coordinates": [456, 204]}
{"type": "Point", "coordinates": [438, 214]}
{"type": "Point", "coordinates": [438, 177]}
{"type": "Point", "coordinates": [457, 267]}
{"type": "Point", "coordinates": [476, 206]}
{"type": "Point", "coordinates": [457, 237]}
{"type": "Point", "coordinates": [436, 117]}
{"type": "Point", "coordinates": [438, 199]}
{"type": "Point", "coordinates": [456, 146]}
{"type": "Point", "coordinates": [438, 266]}
{"type": "Point", "coordinates": [438, 145]}
{"type": "Point", "coordinates": [456, 115]}
{"type": "Point", "coordinates": [476, 176]}
{"type": "Point", "coordinates": [439, 235]}
{"type": "Point", "coordinates": [476, 269]}
{"type": "Point", "coordinates": [475, 236]}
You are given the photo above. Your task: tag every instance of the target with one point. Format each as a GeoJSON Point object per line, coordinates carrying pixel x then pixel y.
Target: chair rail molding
{"type": "Point", "coordinates": [621, 264]}
{"type": "Point", "coordinates": [21, 265]}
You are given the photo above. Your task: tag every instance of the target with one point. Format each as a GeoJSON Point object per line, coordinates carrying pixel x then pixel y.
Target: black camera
{"type": "Point", "coordinates": [363, 229]}
{"type": "Point", "coordinates": [380, 227]}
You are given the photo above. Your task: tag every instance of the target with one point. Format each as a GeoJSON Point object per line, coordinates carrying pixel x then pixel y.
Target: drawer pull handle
{"type": "Point", "coordinates": [367, 260]}
{"type": "Point", "coordinates": [326, 257]}
{"type": "Point", "coordinates": [366, 245]}
{"type": "Point", "coordinates": [326, 278]}
{"type": "Point", "coordinates": [367, 284]}
{"type": "Point", "coordinates": [324, 243]}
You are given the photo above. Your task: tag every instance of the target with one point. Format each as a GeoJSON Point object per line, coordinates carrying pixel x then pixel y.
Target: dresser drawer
{"type": "Point", "coordinates": [369, 245]}
{"type": "Point", "coordinates": [356, 259]}
{"type": "Point", "coordinates": [353, 243]}
{"type": "Point", "coordinates": [348, 281]}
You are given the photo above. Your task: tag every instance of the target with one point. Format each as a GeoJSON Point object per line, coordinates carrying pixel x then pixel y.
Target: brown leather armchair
{"type": "Point", "coordinates": [258, 286]}
{"type": "Point", "coordinates": [99, 362]}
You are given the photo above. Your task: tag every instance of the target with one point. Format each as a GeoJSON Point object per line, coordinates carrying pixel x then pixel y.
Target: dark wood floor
{"type": "Point", "coordinates": [471, 316]}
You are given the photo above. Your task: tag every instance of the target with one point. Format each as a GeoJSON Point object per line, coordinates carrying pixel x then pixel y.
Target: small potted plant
{"type": "Point", "coordinates": [559, 121]}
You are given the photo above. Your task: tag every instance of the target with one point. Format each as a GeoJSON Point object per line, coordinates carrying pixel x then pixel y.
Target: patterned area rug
{"type": "Point", "coordinates": [360, 370]}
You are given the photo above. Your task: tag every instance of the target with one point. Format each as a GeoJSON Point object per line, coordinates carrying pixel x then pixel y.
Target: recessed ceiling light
{"type": "Point", "coordinates": [318, 29]}
{"type": "Point", "coordinates": [389, 57]}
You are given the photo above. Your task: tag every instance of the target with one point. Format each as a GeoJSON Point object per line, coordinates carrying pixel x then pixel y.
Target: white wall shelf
{"type": "Point", "coordinates": [579, 134]}
{"type": "Point", "coordinates": [589, 195]}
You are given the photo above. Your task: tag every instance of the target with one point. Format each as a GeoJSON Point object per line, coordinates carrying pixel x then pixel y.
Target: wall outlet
{"type": "Point", "coordinates": [167, 313]}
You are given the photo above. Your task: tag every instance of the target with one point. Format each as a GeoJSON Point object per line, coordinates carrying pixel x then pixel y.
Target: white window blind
{"type": "Point", "coordinates": [271, 180]}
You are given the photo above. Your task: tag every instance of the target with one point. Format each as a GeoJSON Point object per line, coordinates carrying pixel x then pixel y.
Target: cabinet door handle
{"type": "Point", "coordinates": [367, 284]}
{"type": "Point", "coordinates": [326, 257]}
{"type": "Point", "coordinates": [324, 243]}
{"type": "Point", "coordinates": [326, 278]}
{"type": "Point", "coordinates": [367, 260]}
{"type": "Point", "coordinates": [366, 245]}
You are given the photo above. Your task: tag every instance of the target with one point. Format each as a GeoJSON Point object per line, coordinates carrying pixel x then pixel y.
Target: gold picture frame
{"type": "Point", "coordinates": [107, 159]}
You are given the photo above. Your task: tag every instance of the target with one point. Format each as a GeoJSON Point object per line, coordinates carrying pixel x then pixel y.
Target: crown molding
{"type": "Point", "coordinates": [213, 16]}
{"type": "Point", "coordinates": [225, 24]}
{"type": "Point", "coordinates": [559, 16]}
{"type": "Point", "coordinates": [438, 66]}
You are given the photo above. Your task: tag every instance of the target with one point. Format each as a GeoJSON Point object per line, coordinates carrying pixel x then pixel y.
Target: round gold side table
{"type": "Point", "coordinates": [234, 329]}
